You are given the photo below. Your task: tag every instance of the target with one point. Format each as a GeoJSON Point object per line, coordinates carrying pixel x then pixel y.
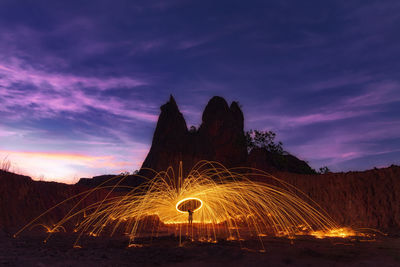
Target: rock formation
{"type": "Point", "coordinates": [220, 137]}
{"type": "Point", "coordinates": [261, 158]}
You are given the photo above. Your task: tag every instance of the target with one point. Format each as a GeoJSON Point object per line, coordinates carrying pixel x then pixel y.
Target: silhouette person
{"type": "Point", "coordinates": [190, 218]}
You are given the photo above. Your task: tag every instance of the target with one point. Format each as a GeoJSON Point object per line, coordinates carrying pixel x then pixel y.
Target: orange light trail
{"type": "Point", "coordinates": [232, 206]}
{"type": "Point", "coordinates": [186, 199]}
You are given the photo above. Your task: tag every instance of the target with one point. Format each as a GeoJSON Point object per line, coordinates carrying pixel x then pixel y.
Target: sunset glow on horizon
{"type": "Point", "coordinates": [63, 167]}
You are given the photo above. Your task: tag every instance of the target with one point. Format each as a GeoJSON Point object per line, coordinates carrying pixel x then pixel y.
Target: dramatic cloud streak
{"type": "Point", "coordinates": [60, 82]}
{"type": "Point", "coordinates": [48, 93]}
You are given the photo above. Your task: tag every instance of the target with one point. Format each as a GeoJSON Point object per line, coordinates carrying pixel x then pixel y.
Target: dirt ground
{"type": "Point", "coordinates": [29, 250]}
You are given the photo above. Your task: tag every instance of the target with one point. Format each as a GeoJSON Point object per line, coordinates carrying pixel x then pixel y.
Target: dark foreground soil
{"type": "Point", "coordinates": [29, 250]}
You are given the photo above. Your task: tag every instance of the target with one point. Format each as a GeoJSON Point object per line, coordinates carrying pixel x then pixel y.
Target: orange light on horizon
{"type": "Point", "coordinates": [62, 166]}
{"type": "Point", "coordinates": [56, 155]}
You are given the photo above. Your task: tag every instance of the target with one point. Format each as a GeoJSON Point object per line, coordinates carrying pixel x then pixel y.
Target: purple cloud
{"type": "Point", "coordinates": [343, 144]}
{"type": "Point", "coordinates": [14, 73]}
{"type": "Point", "coordinates": [378, 93]}
{"type": "Point", "coordinates": [281, 122]}
{"type": "Point", "coordinates": [57, 93]}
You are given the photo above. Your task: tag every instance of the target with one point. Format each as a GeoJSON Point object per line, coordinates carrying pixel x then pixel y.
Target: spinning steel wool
{"type": "Point", "coordinates": [226, 203]}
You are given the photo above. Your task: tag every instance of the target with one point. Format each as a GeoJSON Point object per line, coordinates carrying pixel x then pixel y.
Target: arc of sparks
{"type": "Point", "coordinates": [231, 203]}
{"type": "Point", "coordinates": [187, 199]}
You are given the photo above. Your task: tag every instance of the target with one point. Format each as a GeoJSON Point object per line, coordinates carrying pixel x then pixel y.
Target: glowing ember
{"type": "Point", "coordinates": [337, 232]}
{"type": "Point", "coordinates": [226, 203]}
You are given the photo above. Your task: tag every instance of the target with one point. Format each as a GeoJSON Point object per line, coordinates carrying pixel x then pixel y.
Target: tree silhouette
{"type": "Point", "coordinates": [324, 170]}
{"type": "Point", "coordinates": [263, 139]}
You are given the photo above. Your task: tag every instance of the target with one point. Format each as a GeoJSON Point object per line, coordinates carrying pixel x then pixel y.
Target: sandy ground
{"type": "Point", "coordinates": [29, 250]}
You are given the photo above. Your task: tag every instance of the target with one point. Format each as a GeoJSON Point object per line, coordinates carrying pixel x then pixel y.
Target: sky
{"type": "Point", "coordinates": [81, 82]}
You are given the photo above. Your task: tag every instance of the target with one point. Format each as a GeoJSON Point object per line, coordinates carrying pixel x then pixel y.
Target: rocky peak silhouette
{"type": "Point", "coordinates": [171, 126]}
{"type": "Point", "coordinates": [220, 137]}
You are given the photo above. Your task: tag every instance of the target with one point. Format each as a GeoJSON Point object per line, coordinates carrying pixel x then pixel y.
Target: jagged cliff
{"type": "Point", "coordinates": [219, 138]}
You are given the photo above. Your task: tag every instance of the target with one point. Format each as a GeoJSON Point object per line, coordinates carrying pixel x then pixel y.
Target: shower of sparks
{"type": "Point", "coordinates": [226, 203]}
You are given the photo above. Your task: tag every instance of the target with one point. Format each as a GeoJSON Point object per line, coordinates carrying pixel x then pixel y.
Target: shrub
{"type": "Point", "coordinates": [263, 139]}
{"type": "Point", "coordinates": [5, 165]}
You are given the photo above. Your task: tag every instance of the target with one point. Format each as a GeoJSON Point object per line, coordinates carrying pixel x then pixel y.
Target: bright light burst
{"type": "Point", "coordinates": [227, 203]}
